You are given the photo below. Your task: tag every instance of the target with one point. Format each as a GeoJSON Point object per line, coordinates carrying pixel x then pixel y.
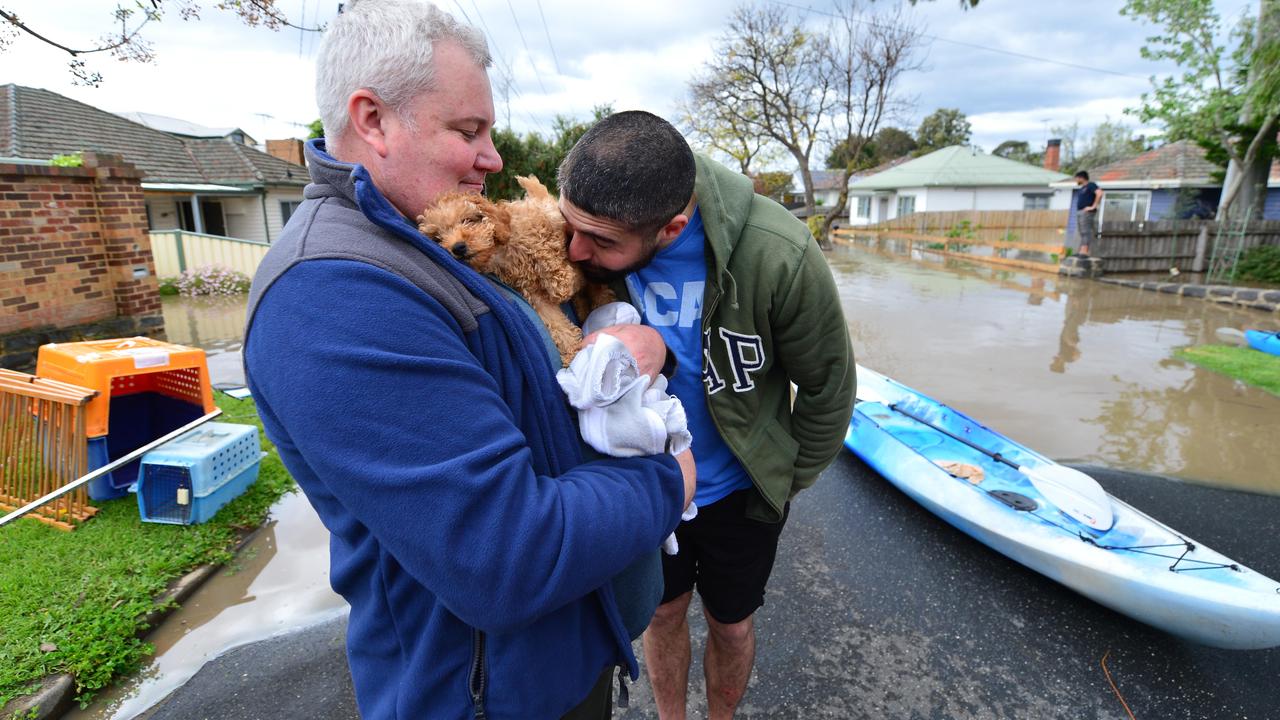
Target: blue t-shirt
{"type": "Point", "coordinates": [670, 290]}
{"type": "Point", "coordinates": [1088, 192]}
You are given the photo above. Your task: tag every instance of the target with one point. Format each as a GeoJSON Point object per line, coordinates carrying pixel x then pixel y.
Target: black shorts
{"type": "Point", "coordinates": [727, 556]}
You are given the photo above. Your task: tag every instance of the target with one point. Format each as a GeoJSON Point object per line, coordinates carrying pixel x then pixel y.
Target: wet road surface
{"type": "Point", "coordinates": [878, 609]}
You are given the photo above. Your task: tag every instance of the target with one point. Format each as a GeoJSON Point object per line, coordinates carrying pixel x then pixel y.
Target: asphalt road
{"type": "Point", "coordinates": [877, 609]}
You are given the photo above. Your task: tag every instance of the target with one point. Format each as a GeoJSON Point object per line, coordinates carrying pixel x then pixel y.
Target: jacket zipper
{"type": "Point", "coordinates": [477, 678]}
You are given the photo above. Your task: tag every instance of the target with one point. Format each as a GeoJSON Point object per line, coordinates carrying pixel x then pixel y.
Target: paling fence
{"type": "Point", "coordinates": [1025, 239]}
{"type": "Point", "coordinates": [179, 250]}
{"type": "Point", "coordinates": [43, 447]}
{"type": "Point", "coordinates": [1156, 246]}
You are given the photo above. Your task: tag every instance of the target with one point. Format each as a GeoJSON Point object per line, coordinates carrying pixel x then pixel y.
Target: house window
{"type": "Point", "coordinates": [906, 204]}
{"type": "Point", "coordinates": [864, 206]}
{"type": "Point", "coordinates": [1132, 206]}
{"type": "Point", "coordinates": [210, 215]}
{"type": "Point", "coordinates": [1036, 201]}
{"type": "Point", "coordinates": [287, 209]}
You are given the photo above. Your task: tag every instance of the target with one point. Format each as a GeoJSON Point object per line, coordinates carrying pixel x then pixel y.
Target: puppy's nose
{"type": "Point", "coordinates": [459, 250]}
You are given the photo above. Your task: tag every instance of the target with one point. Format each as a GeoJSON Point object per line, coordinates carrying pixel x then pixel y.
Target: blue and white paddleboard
{"type": "Point", "coordinates": [1087, 540]}
{"type": "Point", "coordinates": [1267, 342]}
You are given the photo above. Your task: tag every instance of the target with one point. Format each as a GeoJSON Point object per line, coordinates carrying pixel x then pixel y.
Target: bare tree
{"type": "Point", "coordinates": [766, 81]}
{"type": "Point", "coordinates": [866, 55]}
{"type": "Point", "coordinates": [124, 39]}
{"type": "Point", "coordinates": [721, 131]}
{"type": "Point", "coordinates": [774, 78]}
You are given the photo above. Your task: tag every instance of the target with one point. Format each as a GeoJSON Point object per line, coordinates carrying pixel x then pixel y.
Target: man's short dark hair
{"type": "Point", "coordinates": [1083, 174]}
{"type": "Point", "coordinates": [632, 167]}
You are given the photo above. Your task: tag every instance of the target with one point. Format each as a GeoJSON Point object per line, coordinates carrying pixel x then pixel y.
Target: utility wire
{"type": "Point", "coordinates": [524, 42]}
{"type": "Point", "coordinates": [975, 46]}
{"type": "Point", "coordinates": [510, 73]}
{"type": "Point", "coordinates": [550, 44]}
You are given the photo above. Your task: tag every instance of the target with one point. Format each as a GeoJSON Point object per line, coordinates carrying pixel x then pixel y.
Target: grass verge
{"type": "Point", "coordinates": [1245, 364]}
{"type": "Point", "coordinates": [85, 592]}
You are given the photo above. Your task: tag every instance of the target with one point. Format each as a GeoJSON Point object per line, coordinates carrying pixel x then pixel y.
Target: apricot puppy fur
{"type": "Point", "coordinates": [522, 243]}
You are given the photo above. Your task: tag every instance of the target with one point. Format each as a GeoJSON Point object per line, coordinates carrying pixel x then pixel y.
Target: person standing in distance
{"type": "Point", "coordinates": [1087, 200]}
{"type": "Point", "coordinates": [743, 296]}
{"type": "Point", "coordinates": [417, 407]}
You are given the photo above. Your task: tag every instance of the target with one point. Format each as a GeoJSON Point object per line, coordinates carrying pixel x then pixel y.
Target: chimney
{"type": "Point", "coordinates": [289, 150]}
{"type": "Point", "coordinates": [1053, 155]}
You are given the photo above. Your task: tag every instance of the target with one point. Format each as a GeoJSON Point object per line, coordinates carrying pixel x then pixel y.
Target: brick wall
{"type": "Point", "coordinates": [74, 252]}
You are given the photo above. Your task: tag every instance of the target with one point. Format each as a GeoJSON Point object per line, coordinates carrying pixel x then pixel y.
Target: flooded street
{"type": "Point", "coordinates": [1078, 370]}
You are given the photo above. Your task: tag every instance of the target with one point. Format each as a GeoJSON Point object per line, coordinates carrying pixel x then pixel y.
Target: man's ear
{"type": "Point", "coordinates": [369, 116]}
{"type": "Point", "coordinates": [672, 229]}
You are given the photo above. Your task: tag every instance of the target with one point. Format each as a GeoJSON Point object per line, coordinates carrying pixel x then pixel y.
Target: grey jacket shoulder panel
{"type": "Point", "coordinates": [330, 226]}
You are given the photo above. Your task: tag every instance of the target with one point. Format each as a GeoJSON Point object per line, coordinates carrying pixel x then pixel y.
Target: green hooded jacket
{"type": "Point", "coordinates": [770, 317]}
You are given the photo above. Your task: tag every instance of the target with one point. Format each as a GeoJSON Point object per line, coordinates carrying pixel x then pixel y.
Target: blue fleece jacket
{"type": "Point", "coordinates": [474, 546]}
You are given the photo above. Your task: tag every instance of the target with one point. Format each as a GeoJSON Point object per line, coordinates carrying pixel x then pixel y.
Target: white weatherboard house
{"type": "Point", "coordinates": [955, 178]}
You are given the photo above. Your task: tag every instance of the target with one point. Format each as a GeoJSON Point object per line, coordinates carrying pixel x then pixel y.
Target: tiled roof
{"type": "Point", "coordinates": [38, 124]}
{"type": "Point", "coordinates": [825, 179]}
{"type": "Point", "coordinates": [1182, 160]}
{"type": "Point", "coordinates": [958, 166]}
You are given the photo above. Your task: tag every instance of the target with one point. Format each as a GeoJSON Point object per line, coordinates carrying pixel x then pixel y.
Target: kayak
{"type": "Point", "coordinates": [1267, 342]}
{"type": "Point", "coordinates": [1058, 521]}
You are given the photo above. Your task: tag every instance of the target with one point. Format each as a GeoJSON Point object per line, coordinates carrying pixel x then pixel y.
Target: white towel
{"type": "Point", "coordinates": [620, 412]}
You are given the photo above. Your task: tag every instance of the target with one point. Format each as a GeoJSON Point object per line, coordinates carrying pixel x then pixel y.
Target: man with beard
{"type": "Point", "coordinates": [743, 296]}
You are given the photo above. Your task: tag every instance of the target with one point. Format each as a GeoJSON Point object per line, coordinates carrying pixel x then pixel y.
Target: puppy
{"type": "Point", "coordinates": [522, 243]}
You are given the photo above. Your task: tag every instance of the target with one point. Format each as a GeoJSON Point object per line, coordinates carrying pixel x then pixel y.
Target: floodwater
{"type": "Point", "coordinates": [1079, 370]}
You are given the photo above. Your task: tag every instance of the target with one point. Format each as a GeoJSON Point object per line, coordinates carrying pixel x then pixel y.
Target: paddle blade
{"type": "Point", "coordinates": [1077, 495]}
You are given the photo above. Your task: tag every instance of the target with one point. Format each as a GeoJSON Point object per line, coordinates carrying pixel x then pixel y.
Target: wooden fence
{"type": "Point", "coordinates": [1156, 246]}
{"type": "Point", "coordinates": [1024, 239]}
{"type": "Point", "coordinates": [1035, 227]}
{"type": "Point", "coordinates": [179, 250]}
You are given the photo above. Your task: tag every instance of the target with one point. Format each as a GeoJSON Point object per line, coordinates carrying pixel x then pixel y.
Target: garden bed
{"type": "Point", "coordinates": [81, 602]}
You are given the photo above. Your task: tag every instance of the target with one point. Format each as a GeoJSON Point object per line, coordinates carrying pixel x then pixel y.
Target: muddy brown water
{"type": "Point", "coordinates": [1079, 370]}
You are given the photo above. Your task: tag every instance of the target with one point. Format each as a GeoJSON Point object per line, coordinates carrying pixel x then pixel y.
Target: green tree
{"type": "Point", "coordinates": [1227, 97]}
{"type": "Point", "coordinates": [944, 128]}
{"type": "Point", "coordinates": [1109, 142]}
{"type": "Point", "coordinates": [316, 129]}
{"type": "Point", "coordinates": [772, 184]}
{"type": "Point", "coordinates": [1019, 150]}
{"type": "Point", "coordinates": [839, 156]}
{"type": "Point", "coordinates": [889, 143]}
{"type": "Point", "coordinates": [124, 40]}
{"type": "Point", "coordinates": [892, 143]}
{"type": "Point", "coordinates": [532, 154]}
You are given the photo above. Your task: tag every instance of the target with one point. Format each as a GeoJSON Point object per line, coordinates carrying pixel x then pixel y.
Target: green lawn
{"type": "Point", "coordinates": [1242, 363]}
{"type": "Point", "coordinates": [85, 591]}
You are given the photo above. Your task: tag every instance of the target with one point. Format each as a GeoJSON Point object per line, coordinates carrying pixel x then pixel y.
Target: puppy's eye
{"type": "Point", "coordinates": [472, 219]}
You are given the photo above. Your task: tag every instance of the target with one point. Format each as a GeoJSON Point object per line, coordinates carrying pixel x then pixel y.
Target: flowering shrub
{"type": "Point", "coordinates": [212, 280]}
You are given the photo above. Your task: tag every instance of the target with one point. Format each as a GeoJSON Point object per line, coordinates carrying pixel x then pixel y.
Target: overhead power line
{"type": "Point", "coordinates": [524, 42]}
{"type": "Point", "coordinates": [555, 58]}
{"type": "Point", "coordinates": [1001, 51]}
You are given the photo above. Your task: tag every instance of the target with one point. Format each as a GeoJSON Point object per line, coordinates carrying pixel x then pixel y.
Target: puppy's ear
{"type": "Point", "coordinates": [499, 216]}
{"type": "Point", "coordinates": [533, 187]}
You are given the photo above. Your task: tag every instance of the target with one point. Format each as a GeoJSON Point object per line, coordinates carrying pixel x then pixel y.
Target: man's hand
{"type": "Point", "coordinates": [690, 472]}
{"type": "Point", "coordinates": [644, 344]}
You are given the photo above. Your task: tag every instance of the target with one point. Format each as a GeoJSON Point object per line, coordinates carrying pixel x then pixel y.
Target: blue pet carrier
{"type": "Point", "coordinates": [186, 481]}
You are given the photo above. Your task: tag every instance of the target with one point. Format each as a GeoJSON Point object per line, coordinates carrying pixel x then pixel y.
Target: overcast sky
{"type": "Point", "coordinates": [217, 72]}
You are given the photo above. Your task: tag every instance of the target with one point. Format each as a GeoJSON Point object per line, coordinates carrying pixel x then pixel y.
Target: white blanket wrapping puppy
{"type": "Point", "coordinates": [621, 411]}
